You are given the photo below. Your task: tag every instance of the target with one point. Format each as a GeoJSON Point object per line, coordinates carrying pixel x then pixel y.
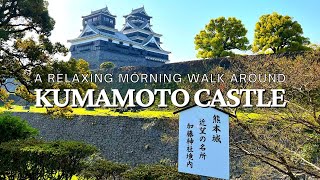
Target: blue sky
{"type": "Point", "coordinates": [180, 20]}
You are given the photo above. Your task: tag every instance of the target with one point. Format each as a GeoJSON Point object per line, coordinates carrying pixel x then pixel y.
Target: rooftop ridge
{"type": "Point", "coordinates": [138, 10]}
{"type": "Point", "coordinates": [102, 10]}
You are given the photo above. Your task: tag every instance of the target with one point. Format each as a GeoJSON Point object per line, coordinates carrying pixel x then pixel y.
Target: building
{"type": "Point", "coordinates": [135, 45]}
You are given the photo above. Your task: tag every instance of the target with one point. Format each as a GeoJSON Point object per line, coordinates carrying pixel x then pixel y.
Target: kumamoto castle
{"type": "Point", "coordinates": [135, 45]}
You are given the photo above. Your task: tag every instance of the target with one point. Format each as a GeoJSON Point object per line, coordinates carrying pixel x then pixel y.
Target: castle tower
{"type": "Point", "coordinates": [138, 28]}
{"type": "Point", "coordinates": [101, 17]}
{"type": "Point", "coordinates": [135, 45]}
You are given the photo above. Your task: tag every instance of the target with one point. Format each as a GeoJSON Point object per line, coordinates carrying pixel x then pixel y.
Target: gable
{"type": "Point", "coordinates": [127, 28]}
{"type": "Point", "coordinates": [152, 42]}
{"type": "Point", "coordinates": [153, 45]}
{"type": "Point", "coordinates": [147, 29]}
{"type": "Point", "coordinates": [88, 31]}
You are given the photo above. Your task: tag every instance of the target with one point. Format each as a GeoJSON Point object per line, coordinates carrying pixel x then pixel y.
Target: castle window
{"type": "Point", "coordinates": [110, 40]}
{"type": "Point", "coordinates": [95, 19]}
{"type": "Point", "coordinates": [121, 43]}
{"type": "Point", "coordinates": [111, 21]}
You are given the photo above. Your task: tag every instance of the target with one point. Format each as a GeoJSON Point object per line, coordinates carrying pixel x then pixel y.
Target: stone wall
{"type": "Point", "coordinates": [98, 52]}
{"type": "Point", "coordinates": [121, 139]}
{"type": "Point", "coordinates": [95, 58]}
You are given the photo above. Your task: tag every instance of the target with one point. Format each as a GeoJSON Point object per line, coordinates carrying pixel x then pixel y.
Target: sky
{"type": "Point", "coordinates": [180, 20]}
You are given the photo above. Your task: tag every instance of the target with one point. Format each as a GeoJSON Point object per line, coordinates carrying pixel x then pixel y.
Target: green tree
{"type": "Point", "coordinates": [23, 57]}
{"type": "Point", "coordinates": [220, 37]}
{"type": "Point", "coordinates": [20, 55]}
{"type": "Point", "coordinates": [106, 65]}
{"type": "Point", "coordinates": [13, 127]}
{"type": "Point", "coordinates": [278, 33]}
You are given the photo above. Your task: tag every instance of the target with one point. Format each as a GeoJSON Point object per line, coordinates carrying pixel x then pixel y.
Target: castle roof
{"type": "Point", "coordinates": [116, 35]}
{"type": "Point", "coordinates": [147, 40]}
{"type": "Point", "coordinates": [104, 10]}
{"type": "Point", "coordinates": [138, 10]}
{"type": "Point", "coordinates": [151, 40]}
{"type": "Point", "coordinates": [141, 28]}
{"type": "Point", "coordinates": [143, 25]}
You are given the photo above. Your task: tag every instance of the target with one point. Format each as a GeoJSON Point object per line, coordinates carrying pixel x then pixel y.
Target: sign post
{"type": "Point", "coordinates": [204, 142]}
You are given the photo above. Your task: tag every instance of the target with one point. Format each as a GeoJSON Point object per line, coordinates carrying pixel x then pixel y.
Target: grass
{"type": "Point", "coordinates": [100, 112]}
{"type": "Point", "coordinates": [110, 112]}
{"type": "Point", "coordinates": [139, 114]}
{"type": "Point", "coordinates": [262, 116]}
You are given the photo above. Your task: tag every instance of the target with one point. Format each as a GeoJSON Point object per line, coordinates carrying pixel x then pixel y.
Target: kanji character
{"type": "Point", "coordinates": [216, 138]}
{"type": "Point", "coordinates": [203, 155]}
{"type": "Point", "coordinates": [190, 140]}
{"type": "Point", "coordinates": [190, 133]}
{"type": "Point", "coordinates": [189, 126]}
{"type": "Point", "coordinates": [203, 139]}
{"type": "Point", "coordinates": [216, 119]}
{"type": "Point", "coordinates": [202, 130]}
{"type": "Point", "coordinates": [190, 164]}
{"type": "Point", "coordinates": [203, 147]}
{"type": "Point", "coordinates": [216, 128]}
{"type": "Point", "coordinates": [189, 149]}
{"type": "Point", "coordinates": [202, 122]}
{"type": "Point", "coordinates": [190, 156]}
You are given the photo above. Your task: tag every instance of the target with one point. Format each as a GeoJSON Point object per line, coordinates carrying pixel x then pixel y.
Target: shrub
{"type": "Point", "coordinates": [13, 127]}
{"type": "Point", "coordinates": [159, 172]}
{"type": "Point", "coordinates": [106, 65]}
{"type": "Point", "coordinates": [99, 168]}
{"type": "Point", "coordinates": [34, 159]}
{"type": "Point", "coordinates": [65, 112]}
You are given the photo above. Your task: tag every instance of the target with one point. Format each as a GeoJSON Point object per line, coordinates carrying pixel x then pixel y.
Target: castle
{"type": "Point", "coordinates": [135, 45]}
